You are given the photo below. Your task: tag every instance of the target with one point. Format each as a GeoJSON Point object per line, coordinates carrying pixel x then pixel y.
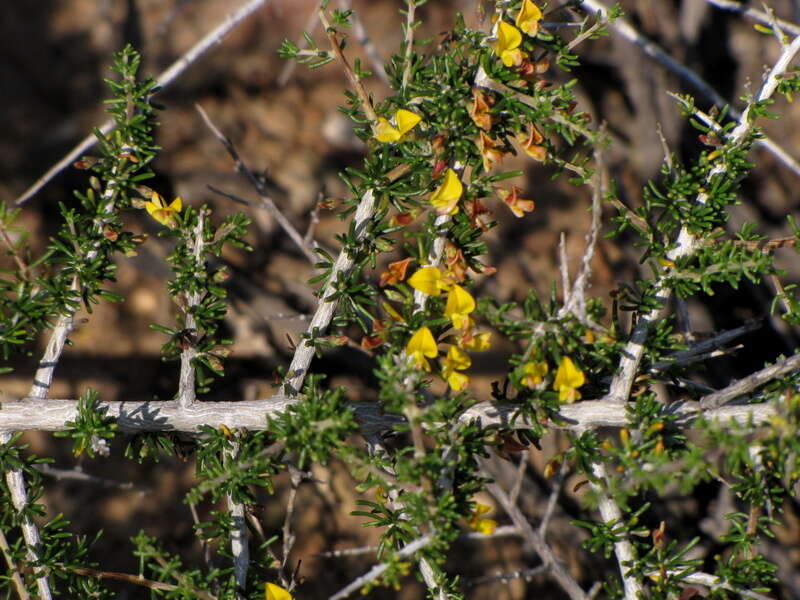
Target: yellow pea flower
{"type": "Point", "coordinates": [476, 342]}
{"type": "Point", "coordinates": [507, 46]}
{"type": "Point", "coordinates": [276, 592]}
{"type": "Point", "coordinates": [568, 379]}
{"type": "Point", "coordinates": [455, 361]}
{"type": "Point", "coordinates": [405, 120]}
{"type": "Point", "coordinates": [481, 524]}
{"type": "Point", "coordinates": [460, 304]}
{"type": "Point", "coordinates": [428, 280]}
{"type": "Point", "coordinates": [533, 373]}
{"type": "Point", "coordinates": [421, 345]}
{"type": "Point", "coordinates": [161, 211]}
{"type": "Point", "coordinates": [445, 198]}
{"type": "Point", "coordinates": [528, 18]}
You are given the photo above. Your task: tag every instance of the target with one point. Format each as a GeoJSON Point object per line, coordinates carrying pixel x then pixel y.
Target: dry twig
{"type": "Point", "coordinates": [210, 40]}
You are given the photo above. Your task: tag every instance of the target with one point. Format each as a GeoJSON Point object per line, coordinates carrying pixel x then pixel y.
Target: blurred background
{"type": "Point", "coordinates": [284, 121]}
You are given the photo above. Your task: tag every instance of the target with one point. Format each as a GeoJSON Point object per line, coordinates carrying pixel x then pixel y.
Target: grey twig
{"type": "Point", "coordinates": [503, 531]}
{"type": "Point", "coordinates": [210, 40]}
{"type": "Point", "coordinates": [756, 15]}
{"type": "Point", "coordinates": [712, 343]}
{"type": "Point", "coordinates": [258, 184]}
{"type": "Point", "coordinates": [411, 7]}
{"type": "Point", "coordinates": [576, 304]}
{"type": "Point", "coordinates": [563, 268]}
{"type": "Point", "coordinates": [240, 548]}
{"type": "Point", "coordinates": [36, 414]}
{"type": "Point", "coordinates": [537, 543]}
{"type": "Point", "coordinates": [295, 478]}
{"type": "Point", "coordinates": [186, 381]}
{"type": "Point", "coordinates": [78, 475]}
{"type": "Point", "coordinates": [526, 574]}
{"type": "Point", "coordinates": [379, 569]}
{"type": "Point", "coordinates": [623, 549]}
{"type": "Point", "coordinates": [714, 582]}
{"type": "Point", "coordinates": [552, 500]}
{"type": "Point", "coordinates": [751, 382]}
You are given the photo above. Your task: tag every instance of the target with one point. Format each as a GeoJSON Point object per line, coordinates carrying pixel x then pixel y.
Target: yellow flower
{"type": "Point", "coordinates": [276, 592]}
{"type": "Point", "coordinates": [568, 379]}
{"type": "Point", "coordinates": [161, 211]}
{"type": "Point", "coordinates": [481, 524]}
{"type": "Point", "coordinates": [405, 120]}
{"type": "Point", "coordinates": [460, 304]}
{"type": "Point", "coordinates": [476, 342]}
{"type": "Point", "coordinates": [533, 373]}
{"type": "Point", "coordinates": [445, 198]}
{"type": "Point", "coordinates": [507, 46]}
{"type": "Point", "coordinates": [529, 17]}
{"type": "Point", "coordinates": [421, 345]}
{"type": "Point", "coordinates": [428, 280]}
{"type": "Point", "coordinates": [455, 361]}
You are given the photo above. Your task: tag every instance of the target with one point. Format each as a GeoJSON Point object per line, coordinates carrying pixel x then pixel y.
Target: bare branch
{"type": "Point", "coordinates": [166, 77]}
{"type": "Point", "coordinates": [186, 381]}
{"type": "Point", "coordinates": [526, 574]}
{"type": "Point", "coordinates": [755, 14]}
{"type": "Point", "coordinates": [576, 303]}
{"type": "Point", "coordinates": [326, 307]}
{"type": "Point", "coordinates": [240, 547]}
{"type": "Point", "coordinates": [411, 7]}
{"type": "Point", "coordinates": [715, 582]}
{"type": "Point", "coordinates": [536, 543]}
{"type": "Point", "coordinates": [379, 569]}
{"type": "Point", "coordinates": [266, 200]}
{"type": "Point", "coordinates": [751, 382]}
{"type": "Point", "coordinates": [31, 414]}
{"type": "Point", "coordinates": [623, 549]}
{"type": "Point", "coordinates": [311, 25]}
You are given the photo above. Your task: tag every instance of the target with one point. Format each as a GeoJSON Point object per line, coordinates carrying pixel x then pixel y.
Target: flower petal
{"type": "Point", "coordinates": [406, 120]}
{"type": "Point", "coordinates": [427, 280]}
{"type": "Point", "coordinates": [568, 379]}
{"type": "Point", "coordinates": [385, 132]}
{"type": "Point", "coordinates": [445, 198]}
{"type": "Point", "coordinates": [421, 345]}
{"type": "Point", "coordinates": [529, 17]}
{"type": "Point", "coordinates": [276, 592]}
{"type": "Point", "coordinates": [460, 304]}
